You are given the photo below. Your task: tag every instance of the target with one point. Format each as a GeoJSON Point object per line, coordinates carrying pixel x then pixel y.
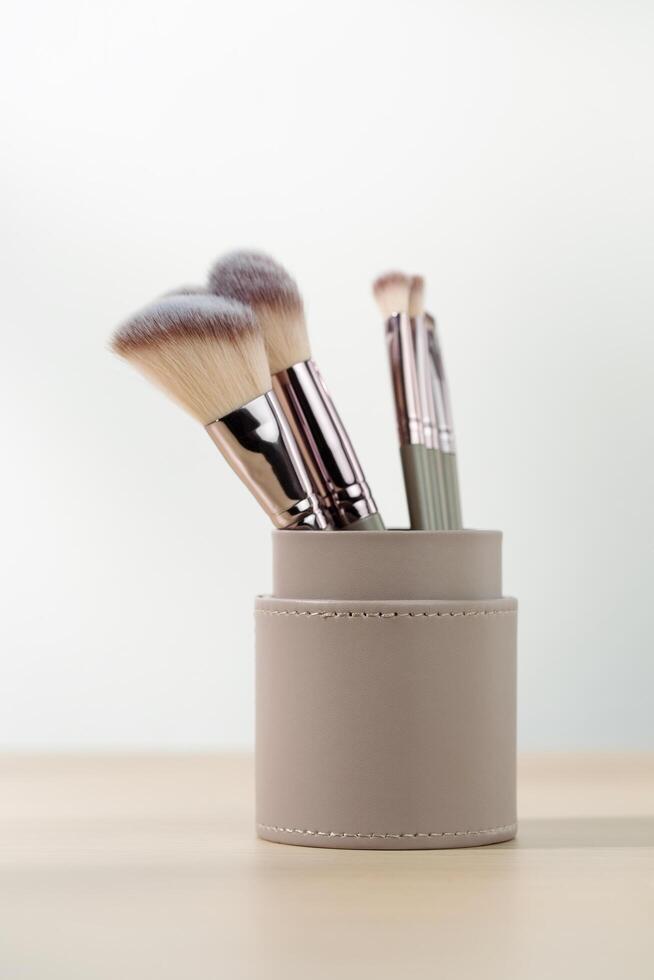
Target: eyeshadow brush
{"type": "Point", "coordinates": [392, 292]}
{"type": "Point", "coordinates": [427, 402]}
{"type": "Point", "coordinates": [441, 395]}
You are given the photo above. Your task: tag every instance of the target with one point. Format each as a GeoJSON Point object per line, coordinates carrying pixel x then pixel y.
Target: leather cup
{"type": "Point", "coordinates": [386, 680]}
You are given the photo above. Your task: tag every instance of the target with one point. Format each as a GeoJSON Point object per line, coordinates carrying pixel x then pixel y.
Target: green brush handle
{"type": "Point", "coordinates": [439, 498]}
{"type": "Point", "coordinates": [417, 484]}
{"type": "Point", "coordinates": [371, 523]}
{"type": "Point", "coordinates": [451, 477]}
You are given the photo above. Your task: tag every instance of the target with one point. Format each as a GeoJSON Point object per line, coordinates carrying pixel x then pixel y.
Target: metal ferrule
{"type": "Point", "coordinates": [440, 389]}
{"type": "Point", "coordinates": [401, 337]}
{"type": "Point", "coordinates": [259, 446]}
{"type": "Point", "coordinates": [323, 441]}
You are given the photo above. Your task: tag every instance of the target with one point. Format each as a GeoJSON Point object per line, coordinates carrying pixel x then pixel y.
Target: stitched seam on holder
{"type": "Point", "coordinates": [380, 836]}
{"type": "Point", "coordinates": [326, 614]}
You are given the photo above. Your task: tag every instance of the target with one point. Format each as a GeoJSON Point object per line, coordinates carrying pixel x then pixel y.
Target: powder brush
{"type": "Point", "coordinates": [260, 282]}
{"type": "Point", "coordinates": [208, 354]}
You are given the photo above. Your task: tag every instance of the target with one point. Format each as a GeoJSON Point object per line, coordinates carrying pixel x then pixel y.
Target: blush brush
{"type": "Point", "coordinates": [259, 282]}
{"type": "Point", "coordinates": [208, 354]}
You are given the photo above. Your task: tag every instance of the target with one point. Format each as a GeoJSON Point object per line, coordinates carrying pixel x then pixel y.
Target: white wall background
{"type": "Point", "coordinates": [502, 148]}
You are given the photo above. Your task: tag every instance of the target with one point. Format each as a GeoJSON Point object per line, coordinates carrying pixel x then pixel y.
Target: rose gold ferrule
{"type": "Point", "coordinates": [259, 446]}
{"type": "Point", "coordinates": [440, 389]}
{"type": "Point", "coordinates": [401, 338]}
{"type": "Point", "coordinates": [328, 454]}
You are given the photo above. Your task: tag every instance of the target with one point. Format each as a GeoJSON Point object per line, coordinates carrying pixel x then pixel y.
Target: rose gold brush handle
{"type": "Point", "coordinates": [326, 448]}
{"type": "Point", "coordinates": [259, 446]}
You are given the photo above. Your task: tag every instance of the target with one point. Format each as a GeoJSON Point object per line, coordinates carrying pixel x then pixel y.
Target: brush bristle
{"type": "Point", "coordinates": [258, 281]}
{"type": "Point", "coordinates": [206, 352]}
{"type": "Point", "coordinates": [392, 293]}
{"type": "Point", "coordinates": [417, 296]}
{"type": "Point", "coordinates": [186, 291]}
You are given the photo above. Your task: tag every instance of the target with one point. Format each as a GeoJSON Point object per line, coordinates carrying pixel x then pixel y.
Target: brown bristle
{"type": "Point", "coordinates": [206, 352]}
{"type": "Point", "coordinates": [417, 296]}
{"type": "Point", "coordinates": [392, 293]}
{"type": "Point", "coordinates": [258, 281]}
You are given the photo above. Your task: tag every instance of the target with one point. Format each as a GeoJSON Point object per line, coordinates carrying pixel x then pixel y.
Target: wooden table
{"type": "Point", "coordinates": [147, 868]}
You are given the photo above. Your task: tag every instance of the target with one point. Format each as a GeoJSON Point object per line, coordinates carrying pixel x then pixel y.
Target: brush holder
{"type": "Point", "coordinates": [386, 677]}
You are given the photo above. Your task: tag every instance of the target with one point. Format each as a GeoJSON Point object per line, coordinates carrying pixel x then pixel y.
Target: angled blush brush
{"type": "Point", "coordinates": [392, 292]}
{"type": "Point", "coordinates": [208, 355]}
{"type": "Point", "coordinates": [263, 285]}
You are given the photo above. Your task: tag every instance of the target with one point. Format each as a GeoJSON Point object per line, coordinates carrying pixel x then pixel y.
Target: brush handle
{"type": "Point", "coordinates": [451, 477]}
{"type": "Point", "coordinates": [429, 419]}
{"type": "Point", "coordinates": [438, 491]}
{"type": "Point", "coordinates": [417, 485]}
{"type": "Point", "coordinates": [371, 523]}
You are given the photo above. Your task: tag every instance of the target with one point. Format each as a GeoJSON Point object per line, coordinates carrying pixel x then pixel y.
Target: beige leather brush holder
{"type": "Point", "coordinates": [386, 677]}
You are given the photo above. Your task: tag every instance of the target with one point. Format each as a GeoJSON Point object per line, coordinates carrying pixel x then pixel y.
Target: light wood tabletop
{"type": "Point", "coordinates": [139, 867]}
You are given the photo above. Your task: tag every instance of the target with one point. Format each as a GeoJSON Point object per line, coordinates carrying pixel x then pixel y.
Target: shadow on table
{"type": "Point", "coordinates": [583, 832]}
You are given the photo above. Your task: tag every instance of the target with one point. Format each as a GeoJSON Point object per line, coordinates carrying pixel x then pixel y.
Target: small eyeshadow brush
{"type": "Point", "coordinates": [392, 292]}
{"type": "Point", "coordinates": [208, 354]}
{"type": "Point", "coordinates": [441, 395]}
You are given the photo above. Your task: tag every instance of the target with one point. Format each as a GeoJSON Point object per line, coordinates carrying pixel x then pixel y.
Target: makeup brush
{"type": "Point", "coordinates": [443, 405]}
{"type": "Point", "coordinates": [208, 354]}
{"type": "Point", "coordinates": [188, 290]}
{"type": "Point", "coordinates": [338, 479]}
{"type": "Point", "coordinates": [392, 292]}
{"type": "Point", "coordinates": [427, 403]}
